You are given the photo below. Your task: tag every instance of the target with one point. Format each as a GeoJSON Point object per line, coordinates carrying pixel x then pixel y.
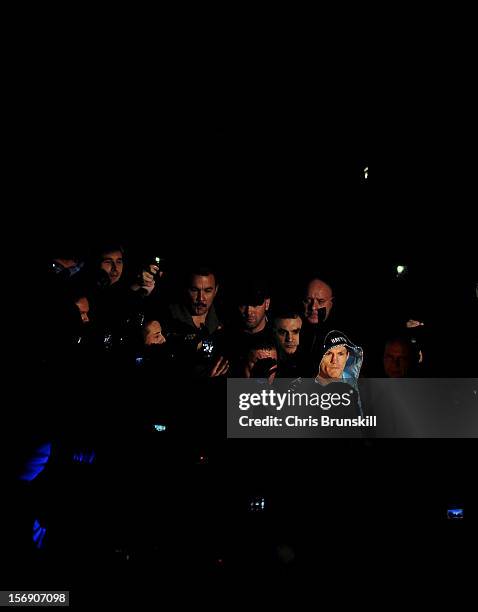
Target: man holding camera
{"type": "Point", "coordinates": [195, 332]}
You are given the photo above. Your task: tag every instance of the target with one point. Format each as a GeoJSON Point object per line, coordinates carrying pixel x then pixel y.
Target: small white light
{"type": "Point", "coordinates": [365, 172]}
{"type": "Point", "coordinates": [400, 269]}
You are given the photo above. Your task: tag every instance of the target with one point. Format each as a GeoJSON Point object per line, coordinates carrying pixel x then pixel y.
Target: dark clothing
{"type": "Point", "coordinates": [239, 343]}
{"type": "Point", "coordinates": [117, 317]}
{"type": "Point", "coordinates": [194, 350]}
{"type": "Point", "coordinates": [180, 321]}
{"type": "Point", "coordinates": [290, 366]}
{"type": "Point", "coordinates": [117, 306]}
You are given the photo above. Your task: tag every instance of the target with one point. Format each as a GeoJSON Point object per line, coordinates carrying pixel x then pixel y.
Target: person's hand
{"type": "Point", "coordinates": [147, 281]}
{"type": "Point", "coordinates": [265, 368]}
{"type": "Point", "coordinates": [412, 323]}
{"type": "Point", "coordinates": [220, 368]}
{"type": "Point", "coordinates": [149, 276]}
{"type": "Point", "coordinates": [155, 271]}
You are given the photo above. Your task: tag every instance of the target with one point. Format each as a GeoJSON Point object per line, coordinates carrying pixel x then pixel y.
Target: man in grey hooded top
{"type": "Point", "coordinates": [340, 359]}
{"type": "Point", "coordinates": [340, 362]}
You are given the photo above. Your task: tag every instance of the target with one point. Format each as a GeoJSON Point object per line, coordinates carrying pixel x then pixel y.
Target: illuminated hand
{"type": "Point", "coordinates": [147, 281]}
{"type": "Point", "coordinates": [220, 368]}
{"type": "Point", "coordinates": [412, 323]}
{"type": "Point", "coordinates": [149, 276]}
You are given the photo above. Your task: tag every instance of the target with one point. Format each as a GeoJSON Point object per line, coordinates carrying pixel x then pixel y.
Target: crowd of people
{"type": "Point", "coordinates": [133, 348]}
{"type": "Point", "coordinates": [100, 311]}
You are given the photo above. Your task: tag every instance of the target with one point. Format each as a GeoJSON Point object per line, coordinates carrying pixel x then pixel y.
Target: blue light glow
{"type": "Point", "coordinates": [36, 463]}
{"type": "Point", "coordinates": [455, 513]}
{"type": "Point", "coordinates": [84, 457]}
{"type": "Point", "coordinates": [38, 534]}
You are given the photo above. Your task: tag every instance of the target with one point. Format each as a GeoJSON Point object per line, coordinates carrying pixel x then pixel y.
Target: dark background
{"type": "Point", "coordinates": [253, 158]}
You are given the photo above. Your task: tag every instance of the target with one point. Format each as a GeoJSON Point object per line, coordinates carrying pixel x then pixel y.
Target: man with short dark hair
{"type": "Point", "coordinates": [111, 262]}
{"type": "Point", "coordinates": [118, 310]}
{"type": "Point", "coordinates": [196, 310]}
{"type": "Point", "coordinates": [287, 325]}
{"type": "Point", "coordinates": [195, 329]}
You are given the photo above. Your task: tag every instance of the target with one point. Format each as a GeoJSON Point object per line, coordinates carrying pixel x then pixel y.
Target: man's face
{"type": "Point", "coordinates": [333, 362]}
{"type": "Point", "coordinates": [84, 307]}
{"type": "Point", "coordinates": [318, 295]}
{"type": "Point", "coordinates": [201, 293]}
{"type": "Point", "coordinates": [154, 334]}
{"type": "Point", "coordinates": [256, 355]}
{"type": "Point", "coordinates": [112, 264]}
{"type": "Point", "coordinates": [253, 317]}
{"type": "Point", "coordinates": [287, 334]}
{"type": "Point", "coordinates": [66, 262]}
{"type": "Point", "coordinates": [396, 359]}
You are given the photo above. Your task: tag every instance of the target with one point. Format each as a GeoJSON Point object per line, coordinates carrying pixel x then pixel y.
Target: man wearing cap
{"type": "Point", "coordinates": [340, 363]}
{"type": "Point", "coordinates": [254, 306]}
{"type": "Point", "coordinates": [252, 324]}
{"type": "Point", "coordinates": [340, 360]}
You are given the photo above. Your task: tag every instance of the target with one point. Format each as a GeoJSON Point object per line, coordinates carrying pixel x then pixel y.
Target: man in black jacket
{"type": "Point", "coordinates": [287, 326]}
{"type": "Point", "coordinates": [251, 323]}
{"type": "Point", "coordinates": [195, 332]}
{"type": "Point", "coordinates": [318, 303]}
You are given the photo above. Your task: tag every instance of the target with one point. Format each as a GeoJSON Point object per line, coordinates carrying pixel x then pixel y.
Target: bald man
{"type": "Point", "coordinates": [317, 301]}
